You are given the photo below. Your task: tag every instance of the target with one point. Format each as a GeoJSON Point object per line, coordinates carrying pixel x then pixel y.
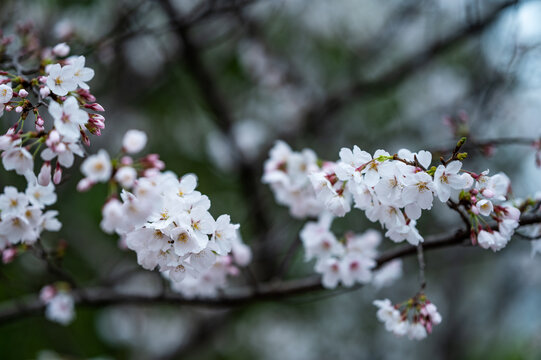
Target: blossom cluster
{"type": "Point", "coordinates": [488, 199]}
{"type": "Point", "coordinates": [349, 260]}
{"type": "Point", "coordinates": [60, 84]}
{"type": "Point", "coordinates": [209, 282]}
{"type": "Point", "coordinates": [163, 218]}
{"type": "Point", "coordinates": [22, 215]}
{"type": "Point", "coordinates": [414, 318]}
{"type": "Point", "coordinates": [391, 189]}
{"type": "Point", "coordinates": [287, 173]}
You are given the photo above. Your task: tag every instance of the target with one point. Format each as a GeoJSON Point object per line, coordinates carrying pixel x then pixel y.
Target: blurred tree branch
{"type": "Point", "coordinates": [336, 101]}
{"type": "Point", "coordinates": [99, 296]}
{"type": "Point", "coordinates": [249, 178]}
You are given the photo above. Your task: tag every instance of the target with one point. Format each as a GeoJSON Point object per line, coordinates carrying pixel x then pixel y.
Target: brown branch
{"type": "Point", "coordinates": [98, 297]}
{"type": "Point", "coordinates": [334, 102]}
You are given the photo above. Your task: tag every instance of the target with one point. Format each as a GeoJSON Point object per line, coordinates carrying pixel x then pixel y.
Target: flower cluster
{"type": "Point", "coordinates": [287, 173]}
{"type": "Point", "coordinates": [215, 278]}
{"type": "Point", "coordinates": [414, 318]}
{"type": "Point", "coordinates": [60, 303]}
{"type": "Point", "coordinates": [348, 260]}
{"type": "Point", "coordinates": [480, 202]}
{"type": "Point", "coordinates": [60, 84]}
{"type": "Point", "coordinates": [160, 216]}
{"type": "Point", "coordinates": [22, 218]}
{"type": "Point", "coordinates": [391, 189]}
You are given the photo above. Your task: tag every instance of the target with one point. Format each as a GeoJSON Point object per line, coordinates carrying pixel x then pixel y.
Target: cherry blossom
{"type": "Point", "coordinates": [134, 141]}
{"type": "Point", "coordinates": [446, 178]}
{"type": "Point", "coordinates": [97, 168]}
{"type": "Point", "coordinates": [6, 93]}
{"type": "Point", "coordinates": [61, 308]}
{"type": "Point", "coordinates": [19, 159]}
{"type": "Point", "coordinates": [81, 74]}
{"type": "Point", "coordinates": [61, 79]}
{"type": "Point", "coordinates": [68, 117]}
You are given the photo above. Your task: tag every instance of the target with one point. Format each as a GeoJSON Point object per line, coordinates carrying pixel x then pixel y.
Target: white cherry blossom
{"type": "Point", "coordinates": [61, 79]}
{"type": "Point", "coordinates": [68, 117]}
{"type": "Point", "coordinates": [97, 168]}
{"type": "Point", "coordinates": [446, 179]}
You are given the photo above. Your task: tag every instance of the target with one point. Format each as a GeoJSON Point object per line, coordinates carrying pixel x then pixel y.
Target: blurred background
{"type": "Point", "coordinates": [215, 83]}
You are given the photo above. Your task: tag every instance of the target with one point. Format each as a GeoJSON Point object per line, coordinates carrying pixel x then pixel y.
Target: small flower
{"type": "Point", "coordinates": [134, 141]}
{"type": "Point", "coordinates": [61, 50]}
{"type": "Point", "coordinates": [12, 201]}
{"type": "Point", "coordinates": [97, 168]}
{"type": "Point", "coordinates": [61, 309]}
{"type": "Point", "coordinates": [126, 176]}
{"type": "Point", "coordinates": [485, 207]}
{"type": "Point", "coordinates": [68, 117]}
{"type": "Point", "coordinates": [447, 178]}
{"type": "Point", "coordinates": [81, 74]}
{"type": "Point", "coordinates": [61, 80]}
{"type": "Point", "coordinates": [6, 93]}
{"type": "Point", "coordinates": [329, 268]}
{"type": "Point", "coordinates": [18, 159]}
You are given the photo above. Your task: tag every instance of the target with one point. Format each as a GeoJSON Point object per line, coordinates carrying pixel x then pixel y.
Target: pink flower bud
{"type": "Point", "coordinates": [84, 185]}
{"type": "Point", "coordinates": [475, 210]}
{"type": "Point", "coordinates": [126, 160]}
{"type": "Point", "coordinates": [47, 293]}
{"type": "Point", "coordinates": [9, 108]}
{"type": "Point", "coordinates": [23, 93]}
{"type": "Point", "coordinates": [43, 80]}
{"type": "Point", "coordinates": [19, 109]}
{"type": "Point", "coordinates": [44, 176]}
{"type": "Point", "coordinates": [97, 123]}
{"type": "Point", "coordinates": [44, 91]}
{"type": "Point", "coordinates": [8, 255]}
{"type": "Point", "coordinates": [98, 117]}
{"type": "Point", "coordinates": [85, 138]}
{"type": "Point", "coordinates": [39, 128]}
{"type": "Point", "coordinates": [61, 50]}
{"type": "Point", "coordinates": [39, 121]}
{"type": "Point", "coordinates": [95, 107]}
{"type": "Point", "coordinates": [473, 199]}
{"type": "Point", "coordinates": [57, 174]}
{"type": "Point", "coordinates": [149, 173]}
{"type": "Point", "coordinates": [85, 94]}
{"type": "Point", "coordinates": [488, 193]}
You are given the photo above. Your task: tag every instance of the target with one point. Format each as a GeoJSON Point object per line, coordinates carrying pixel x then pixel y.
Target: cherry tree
{"type": "Point", "coordinates": [199, 252]}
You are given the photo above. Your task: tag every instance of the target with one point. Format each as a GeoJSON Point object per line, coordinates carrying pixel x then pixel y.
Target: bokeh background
{"type": "Point", "coordinates": [319, 74]}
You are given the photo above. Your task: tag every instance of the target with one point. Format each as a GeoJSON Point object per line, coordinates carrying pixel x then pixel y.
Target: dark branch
{"type": "Point", "coordinates": [334, 102]}
{"type": "Point", "coordinates": [97, 297]}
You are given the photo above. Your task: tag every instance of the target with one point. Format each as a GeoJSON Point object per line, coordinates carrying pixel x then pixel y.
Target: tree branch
{"type": "Point", "coordinates": [334, 102]}
{"type": "Point", "coordinates": [98, 296]}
